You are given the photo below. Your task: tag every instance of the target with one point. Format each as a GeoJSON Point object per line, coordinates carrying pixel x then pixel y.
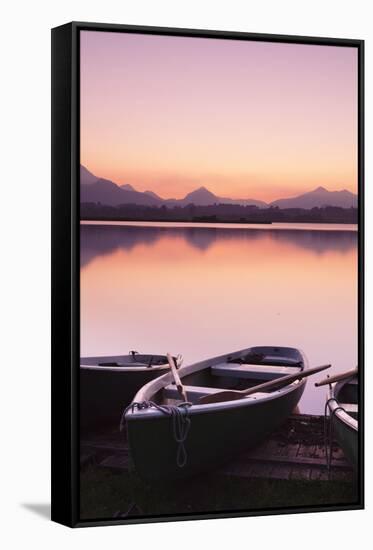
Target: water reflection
{"type": "Point", "coordinates": [205, 291]}
{"type": "Point", "coordinates": [104, 239]}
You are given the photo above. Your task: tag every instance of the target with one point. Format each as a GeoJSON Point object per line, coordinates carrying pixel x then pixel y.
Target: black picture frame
{"type": "Point", "coordinates": [66, 261]}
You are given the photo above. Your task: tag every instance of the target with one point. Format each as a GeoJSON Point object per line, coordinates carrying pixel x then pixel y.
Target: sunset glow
{"type": "Point", "coordinates": [244, 119]}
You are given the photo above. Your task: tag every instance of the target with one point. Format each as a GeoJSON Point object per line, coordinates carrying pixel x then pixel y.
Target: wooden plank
{"type": "Point", "coordinates": [236, 469]}
{"type": "Point", "coordinates": [261, 469]}
{"type": "Point", "coordinates": [319, 474]}
{"type": "Point", "coordinates": [320, 452]}
{"type": "Point", "coordinates": [116, 462]}
{"type": "Point", "coordinates": [337, 455]}
{"type": "Point", "coordinates": [87, 458]}
{"type": "Point", "coordinates": [295, 451]}
{"type": "Point", "coordinates": [291, 450]}
{"type": "Point", "coordinates": [337, 474]}
{"type": "Point", "coordinates": [298, 460]}
{"type": "Point", "coordinates": [113, 442]}
{"type": "Point", "coordinates": [280, 471]}
{"type": "Point", "coordinates": [275, 448]}
{"type": "Point", "coordinates": [300, 473]}
{"type": "Point", "coordinates": [263, 372]}
{"type": "Point", "coordinates": [306, 451]}
{"type": "Point", "coordinates": [171, 391]}
{"type": "Point", "coordinates": [104, 447]}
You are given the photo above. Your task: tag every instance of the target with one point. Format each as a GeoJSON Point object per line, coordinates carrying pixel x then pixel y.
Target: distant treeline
{"type": "Point", "coordinates": [222, 213]}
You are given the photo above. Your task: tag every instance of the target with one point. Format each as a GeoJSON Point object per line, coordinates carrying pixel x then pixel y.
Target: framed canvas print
{"type": "Point", "coordinates": [207, 276]}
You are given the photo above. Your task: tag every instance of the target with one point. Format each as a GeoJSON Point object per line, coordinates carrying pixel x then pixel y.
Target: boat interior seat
{"type": "Point", "coordinates": [350, 407]}
{"type": "Point", "coordinates": [262, 372]}
{"type": "Point", "coordinates": [193, 392]}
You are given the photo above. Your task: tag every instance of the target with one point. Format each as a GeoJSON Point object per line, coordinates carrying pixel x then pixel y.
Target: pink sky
{"type": "Point", "coordinates": [245, 119]}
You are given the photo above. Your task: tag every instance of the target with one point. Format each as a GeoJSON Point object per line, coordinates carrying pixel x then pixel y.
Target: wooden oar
{"type": "Point", "coordinates": [230, 395]}
{"type": "Point", "coordinates": [175, 374]}
{"type": "Point", "coordinates": [337, 377]}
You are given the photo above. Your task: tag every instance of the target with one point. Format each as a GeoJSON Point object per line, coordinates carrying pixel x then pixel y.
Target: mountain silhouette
{"type": "Point", "coordinates": [86, 177]}
{"type": "Point", "coordinates": [99, 190]}
{"type": "Point", "coordinates": [152, 194]}
{"type": "Point", "coordinates": [201, 197]}
{"type": "Point", "coordinates": [319, 197]}
{"type": "Point", "coordinates": [127, 187]}
{"type": "Point", "coordinates": [204, 197]}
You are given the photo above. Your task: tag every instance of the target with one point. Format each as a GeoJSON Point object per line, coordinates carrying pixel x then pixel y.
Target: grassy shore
{"type": "Point", "coordinates": [105, 494]}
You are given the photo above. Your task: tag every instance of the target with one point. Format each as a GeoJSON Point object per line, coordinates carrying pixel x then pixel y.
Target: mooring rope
{"type": "Point", "coordinates": [328, 434]}
{"type": "Point", "coordinates": [180, 423]}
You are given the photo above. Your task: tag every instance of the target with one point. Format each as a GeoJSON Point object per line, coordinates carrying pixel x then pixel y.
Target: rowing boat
{"type": "Point", "coordinates": [343, 410]}
{"type": "Point", "coordinates": [169, 439]}
{"type": "Point", "coordinates": [107, 384]}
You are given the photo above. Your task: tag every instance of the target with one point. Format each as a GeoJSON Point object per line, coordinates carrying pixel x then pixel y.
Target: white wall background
{"type": "Point", "coordinates": [25, 261]}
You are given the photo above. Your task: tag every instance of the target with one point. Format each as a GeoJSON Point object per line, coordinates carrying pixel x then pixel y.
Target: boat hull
{"type": "Point", "coordinates": [347, 438]}
{"type": "Point", "coordinates": [106, 391]}
{"type": "Point", "coordinates": [345, 426]}
{"type": "Point", "coordinates": [214, 437]}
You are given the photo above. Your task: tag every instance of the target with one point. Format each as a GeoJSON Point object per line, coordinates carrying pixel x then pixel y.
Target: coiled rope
{"type": "Point", "coordinates": [180, 423]}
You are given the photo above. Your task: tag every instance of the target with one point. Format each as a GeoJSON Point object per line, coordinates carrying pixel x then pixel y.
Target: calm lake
{"type": "Point", "coordinates": [203, 290]}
